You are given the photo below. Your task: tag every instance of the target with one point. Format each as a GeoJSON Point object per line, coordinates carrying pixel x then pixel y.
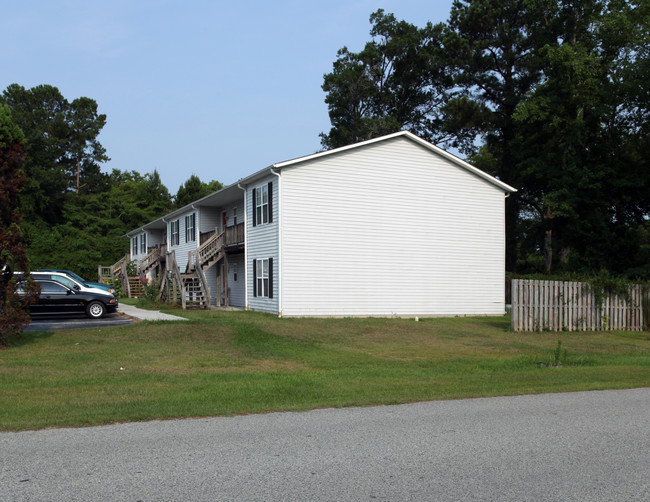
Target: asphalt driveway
{"type": "Point", "coordinates": [125, 315]}
{"type": "Point", "coordinates": [75, 322]}
{"type": "Point", "coordinates": [583, 446]}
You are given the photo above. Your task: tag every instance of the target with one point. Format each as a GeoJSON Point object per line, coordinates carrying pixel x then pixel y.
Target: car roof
{"type": "Point", "coordinates": [51, 272]}
{"type": "Point", "coordinates": [96, 292]}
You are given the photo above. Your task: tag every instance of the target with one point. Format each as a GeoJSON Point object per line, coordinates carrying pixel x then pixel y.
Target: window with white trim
{"type": "Point", "coordinates": [143, 244]}
{"type": "Point", "coordinates": [175, 232]}
{"type": "Point", "coordinates": [263, 272]}
{"type": "Point", "coordinates": [190, 228]}
{"type": "Point", "coordinates": [135, 245]}
{"type": "Point", "coordinates": [262, 205]}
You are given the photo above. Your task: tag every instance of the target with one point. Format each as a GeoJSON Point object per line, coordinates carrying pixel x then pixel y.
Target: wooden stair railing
{"type": "Point", "coordinates": [171, 285]}
{"type": "Point", "coordinates": [150, 261]}
{"type": "Point", "coordinates": [208, 251]}
{"type": "Point", "coordinates": [115, 271]}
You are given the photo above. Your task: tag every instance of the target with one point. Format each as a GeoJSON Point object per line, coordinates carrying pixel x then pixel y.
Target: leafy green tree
{"type": "Point", "coordinates": [94, 223]}
{"type": "Point", "coordinates": [13, 308]}
{"type": "Point", "coordinates": [550, 96]}
{"type": "Point", "coordinates": [61, 141]}
{"type": "Point", "coordinates": [494, 46]}
{"type": "Point", "coordinates": [396, 82]}
{"type": "Point", "coordinates": [458, 84]}
{"type": "Point", "coordinates": [75, 215]}
{"type": "Point", "coordinates": [194, 189]}
{"type": "Point", "coordinates": [584, 133]}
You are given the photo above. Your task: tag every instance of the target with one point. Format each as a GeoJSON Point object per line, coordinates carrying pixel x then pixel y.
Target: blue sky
{"type": "Point", "coordinates": [213, 88]}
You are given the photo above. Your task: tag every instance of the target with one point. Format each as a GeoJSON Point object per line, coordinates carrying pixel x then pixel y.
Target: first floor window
{"type": "Point", "coordinates": [175, 233]}
{"type": "Point", "coordinates": [263, 272]}
{"type": "Point", "coordinates": [190, 224]}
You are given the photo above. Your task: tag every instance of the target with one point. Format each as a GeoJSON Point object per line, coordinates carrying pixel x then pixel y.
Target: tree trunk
{"type": "Point", "coordinates": [548, 242]}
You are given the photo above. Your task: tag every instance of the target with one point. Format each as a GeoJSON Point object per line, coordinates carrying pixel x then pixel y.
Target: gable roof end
{"type": "Point", "coordinates": [416, 139]}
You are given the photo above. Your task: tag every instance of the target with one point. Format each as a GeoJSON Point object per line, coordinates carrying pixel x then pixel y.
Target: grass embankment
{"type": "Point", "coordinates": [224, 363]}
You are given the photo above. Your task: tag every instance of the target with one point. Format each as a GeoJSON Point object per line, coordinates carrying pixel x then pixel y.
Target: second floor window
{"type": "Point", "coordinates": [190, 225]}
{"type": "Point", "coordinates": [135, 245]}
{"type": "Point", "coordinates": [175, 233]}
{"type": "Point", "coordinates": [143, 243]}
{"type": "Point", "coordinates": [262, 204]}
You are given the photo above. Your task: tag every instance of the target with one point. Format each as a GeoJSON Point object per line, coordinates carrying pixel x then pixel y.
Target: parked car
{"type": "Point", "coordinates": [69, 282]}
{"type": "Point", "coordinates": [58, 299]}
{"type": "Point", "coordinates": [80, 279]}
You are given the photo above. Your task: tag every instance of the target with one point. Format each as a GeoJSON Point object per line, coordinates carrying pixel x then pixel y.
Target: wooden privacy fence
{"type": "Point", "coordinates": [572, 306]}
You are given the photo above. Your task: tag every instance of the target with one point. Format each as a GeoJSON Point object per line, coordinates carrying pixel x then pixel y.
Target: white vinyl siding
{"type": "Point", "coordinates": [155, 238]}
{"type": "Point", "coordinates": [184, 247]}
{"type": "Point", "coordinates": [139, 246]}
{"type": "Point", "coordinates": [211, 278]}
{"type": "Point", "coordinates": [237, 285]}
{"type": "Point", "coordinates": [262, 243]}
{"type": "Point", "coordinates": [235, 213]}
{"type": "Point", "coordinates": [390, 229]}
{"type": "Point", "coordinates": [209, 219]}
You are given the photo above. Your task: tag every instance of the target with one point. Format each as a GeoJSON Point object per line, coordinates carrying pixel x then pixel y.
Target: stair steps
{"type": "Point", "coordinates": [136, 287]}
{"type": "Point", "coordinates": [194, 296]}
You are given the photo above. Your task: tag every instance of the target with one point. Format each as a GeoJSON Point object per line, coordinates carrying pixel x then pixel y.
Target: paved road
{"type": "Point", "coordinates": [589, 446]}
{"type": "Point", "coordinates": [75, 322]}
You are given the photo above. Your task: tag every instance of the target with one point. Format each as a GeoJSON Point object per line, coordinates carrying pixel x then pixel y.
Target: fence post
{"type": "Point", "coordinates": [514, 305]}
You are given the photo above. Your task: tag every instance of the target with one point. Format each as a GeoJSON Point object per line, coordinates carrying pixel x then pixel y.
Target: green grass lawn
{"type": "Point", "coordinates": [225, 363]}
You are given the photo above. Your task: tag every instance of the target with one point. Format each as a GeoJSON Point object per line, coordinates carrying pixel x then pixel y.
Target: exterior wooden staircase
{"type": "Point", "coordinates": [136, 287]}
{"type": "Point", "coordinates": [115, 272]}
{"type": "Point", "coordinates": [184, 288]}
{"type": "Point", "coordinates": [152, 260]}
{"type": "Point", "coordinates": [190, 288]}
{"type": "Point", "coordinates": [195, 297]}
{"type": "Point", "coordinates": [209, 253]}
{"type": "Point", "coordinates": [197, 291]}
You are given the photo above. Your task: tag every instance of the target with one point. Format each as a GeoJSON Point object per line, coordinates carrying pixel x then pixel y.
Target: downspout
{"type": "Point", "coordinates": [279, 281]}
{"type": "Point", "coordinates": [166, 232]}
{"type": "Point", "coordinates": [245, 244]}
